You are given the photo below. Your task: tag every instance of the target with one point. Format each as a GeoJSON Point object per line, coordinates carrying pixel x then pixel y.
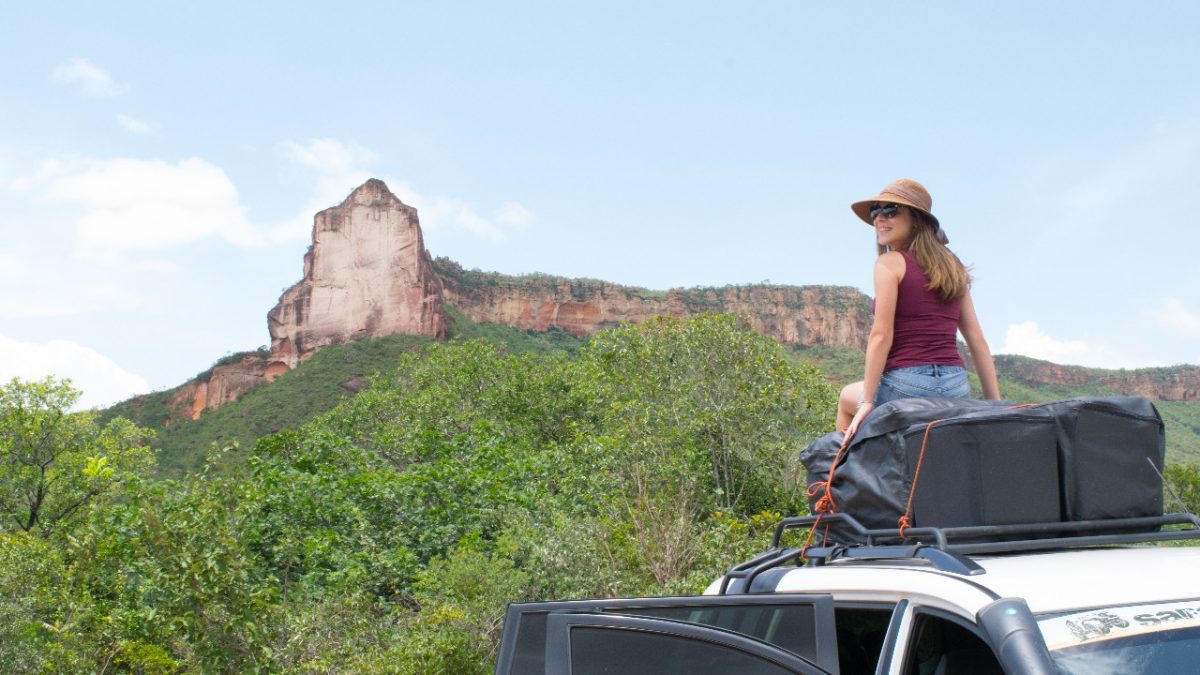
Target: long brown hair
{"type": "Point", "coordinates": [948, 277]}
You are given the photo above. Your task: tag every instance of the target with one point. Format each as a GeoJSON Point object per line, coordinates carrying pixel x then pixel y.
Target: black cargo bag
{"type": "Point", "coordinates": [993, 463]}
{"type": "Point", "coordinates": [1112, 452]}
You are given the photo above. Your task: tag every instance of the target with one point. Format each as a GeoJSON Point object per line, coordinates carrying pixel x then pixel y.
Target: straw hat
{"type": "Point", "coordinates": [903, 191]}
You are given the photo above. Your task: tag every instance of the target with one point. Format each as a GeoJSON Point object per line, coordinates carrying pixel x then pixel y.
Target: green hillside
{"type": "Point", "coordinates": [316, 386]}
{"type": "Point", "coordinates": [336, 372]}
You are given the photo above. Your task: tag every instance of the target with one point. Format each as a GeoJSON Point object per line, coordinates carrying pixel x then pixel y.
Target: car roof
{"type": "Point", "coordinates": [1074, 579]}
{"type": "Point", "coordinates": [1049, 582]}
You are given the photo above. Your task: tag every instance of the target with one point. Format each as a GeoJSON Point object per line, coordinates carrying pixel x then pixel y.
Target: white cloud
{"type": "Point", "coordinates": [133, 125]}
{"type": "Point", "coordinates": [142, 205]}
{"type": "Point", "coordinates": [438, 212]}
{"type": "Point", "coordinates": [1174, 316]}
{"type": "Point", "coordinates": [453, 214]}
{"type": "Point", "coordinates": [1027, 339]}
{"type": "Point", "coordinates": [90, 78]}
{"type": "Point", "coordinates": [101, 381]}
{"type": "Point", "coordinates": [156, 266]}
{"type": "Point", "coordinates": [329, 156]}
{"type": "Point", "coordinates": [13, 268]}
{"type": "Point", "coordinates": [333, 169]}
{"type": "Point", "coordinates": [515, 216]}
{"type": "Point", "coordinates": [336, 168]}
{"type": "Point", "coordinates": [38, 297]}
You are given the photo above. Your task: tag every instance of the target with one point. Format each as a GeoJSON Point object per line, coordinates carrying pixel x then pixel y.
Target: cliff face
{"type": "Point", "coordinates": [225, 382]}
{"type": "Point", "coordinates": [1181, 383]}
{"type": "Point", "coordinates": [794, 315]}
{"type": "Point", "coordinates": [367, 274]}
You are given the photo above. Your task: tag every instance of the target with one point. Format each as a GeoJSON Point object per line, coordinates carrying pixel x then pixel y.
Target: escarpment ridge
{"type": "Point", "coordinates": [368, 274]}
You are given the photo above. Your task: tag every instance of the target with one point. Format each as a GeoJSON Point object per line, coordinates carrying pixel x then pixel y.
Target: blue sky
{"type": "Point", "coordinates": [160, 162]}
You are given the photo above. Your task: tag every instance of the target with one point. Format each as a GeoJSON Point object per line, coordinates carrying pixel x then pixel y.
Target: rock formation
{"type": "Point", "coordinates": [367, 274]}
{"type": "Point", "coordinates": [1180, 383]}
{"type": "Point", "coordinates": [225, 382]}
{"type": "Point", "coordinates": [825, 316]}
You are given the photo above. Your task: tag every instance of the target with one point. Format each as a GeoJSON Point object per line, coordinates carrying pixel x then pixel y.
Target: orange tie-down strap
{"type": "Point", "coordinates": [905, 521]}
{"type": "Point", "coordinates": [826, 504]}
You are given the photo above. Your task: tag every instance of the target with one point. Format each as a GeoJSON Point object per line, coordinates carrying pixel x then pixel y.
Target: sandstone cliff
{"type": "Point", "coordinates": [825, 316]}
{"type": "Point", "coordinates": [1179, 383]}
{"type": "Point", "coordinates": [367, 274]}
{"type": "Point", "coordinates": [222, 384]}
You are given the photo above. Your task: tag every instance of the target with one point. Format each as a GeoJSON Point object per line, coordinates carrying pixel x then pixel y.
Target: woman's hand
{"type": "Point", "coordinates": [859, 415]}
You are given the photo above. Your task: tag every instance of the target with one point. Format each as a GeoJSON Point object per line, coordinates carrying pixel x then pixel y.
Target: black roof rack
{"type": "Point", "coordinates": [946, 548]}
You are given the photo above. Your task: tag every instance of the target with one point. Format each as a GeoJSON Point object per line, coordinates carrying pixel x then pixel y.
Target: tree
{"type": "Point", "coordinates": [713, 399]}
{"type": "Point", "coordinates": [700, 414]}
{"type": "Point", "coordinates": [54, 461]}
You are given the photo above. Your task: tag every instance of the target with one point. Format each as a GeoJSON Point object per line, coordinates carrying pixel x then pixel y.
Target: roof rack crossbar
{"type": "Point", "coordinates": [746, 572]}
{"type": "Point", "coordinates": [945, 561]}
{"type": "Point", "coordinates": [845, 519]}
{"type": "Point", "coordinates": [1073, 531]}
{"type": "Point", "coordinates": [1073, 542]}
{"type": "Point", "coordinates": [1072, 526]}
{"type": "Point", "coordinates": [938, 546]}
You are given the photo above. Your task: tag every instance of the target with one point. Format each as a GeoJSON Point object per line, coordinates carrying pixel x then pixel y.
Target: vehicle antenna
{"type": "Point", "coordinates": [1171, 488]}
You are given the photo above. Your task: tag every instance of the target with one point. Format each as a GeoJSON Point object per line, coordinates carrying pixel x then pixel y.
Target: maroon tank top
{"type": "Point", "coordinates": [925, 328]}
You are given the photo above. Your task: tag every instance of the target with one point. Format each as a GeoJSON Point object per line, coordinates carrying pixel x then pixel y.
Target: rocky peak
{"type": "Point", "coordinates": [367, 274]}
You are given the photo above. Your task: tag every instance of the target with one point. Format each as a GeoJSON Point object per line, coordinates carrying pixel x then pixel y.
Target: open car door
{"type": "Point", "coordinates": [801, 626]}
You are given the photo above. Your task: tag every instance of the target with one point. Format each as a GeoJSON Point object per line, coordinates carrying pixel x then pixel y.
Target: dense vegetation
{"type": "Point", "coordinates": [387, 534]}
{"type": "Point", "coordinates": [331, 375]}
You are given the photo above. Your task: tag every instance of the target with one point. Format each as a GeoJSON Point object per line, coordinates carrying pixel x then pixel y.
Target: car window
{"type": "Point", "coordinates": [802, 625]}
{"type": "Point", "coordinates": [608, 644]}
{"type": "Point", "coordinates": [600, 651]}
{"type": "Point", "coordinates": [787, 626]}
{"type": "Point", "coordinates": [1149, 638]}
{"type": "Point", "coordinates": [944, 647]}
{"type": "Point", "coordinates": [861, 632]}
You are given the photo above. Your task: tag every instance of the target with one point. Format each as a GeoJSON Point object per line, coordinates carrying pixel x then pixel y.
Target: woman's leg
{"type": "Point", "coordinates": [848, 404]}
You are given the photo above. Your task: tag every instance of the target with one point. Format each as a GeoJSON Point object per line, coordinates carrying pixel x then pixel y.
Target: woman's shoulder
{"type": "Point", "coordinates": [894, 262]}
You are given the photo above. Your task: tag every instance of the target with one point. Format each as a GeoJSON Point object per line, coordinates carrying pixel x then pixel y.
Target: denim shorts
{"type": "Point", "coordinates": [923, 382]}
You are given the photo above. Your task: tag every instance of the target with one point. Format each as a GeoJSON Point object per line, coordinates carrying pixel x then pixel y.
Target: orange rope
{"type": "Point", "coordinates": [906, 519]}
{"type": "Point", "coordinates": [808, 540]}
{"type": "Point", "coordinates": [811, 531]}
{"type": "Point", "coordinates": [826, 504]}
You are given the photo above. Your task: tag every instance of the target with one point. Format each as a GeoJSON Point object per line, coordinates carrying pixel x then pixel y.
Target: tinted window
{"type": "Point", "coordinates": [860, 636]}
{"type": "Point", "coordinates": [615, 651]}
{"type": "Point", "coordinates": [791, 627]}
{"type": "Point", "coordinates": [786, 626]}
{"type": "Point", "coordinates": [947, 648]}
{"type": "Point", "coordinates": [1176, 651]}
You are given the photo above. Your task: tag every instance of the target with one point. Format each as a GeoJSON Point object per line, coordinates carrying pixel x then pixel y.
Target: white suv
{"type": "Point", "coordinates": [1079, 597]}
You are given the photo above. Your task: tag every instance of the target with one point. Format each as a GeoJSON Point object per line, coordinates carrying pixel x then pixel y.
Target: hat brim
{"type": "Point", "coordinates": [863, 209]}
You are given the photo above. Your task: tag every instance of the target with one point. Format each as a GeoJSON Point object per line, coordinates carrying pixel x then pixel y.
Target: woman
{"type": "Point", "coordinates": [922, 299]}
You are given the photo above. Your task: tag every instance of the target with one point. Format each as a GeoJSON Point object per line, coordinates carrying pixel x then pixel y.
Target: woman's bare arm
{"type": "Point", "coordinates": [889, 271]}
{"type": "Point", "coordinates": [981, 355]}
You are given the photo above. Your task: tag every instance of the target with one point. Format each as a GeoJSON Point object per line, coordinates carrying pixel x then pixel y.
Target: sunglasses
{"type": "Point", "coordinates": [884, 211]}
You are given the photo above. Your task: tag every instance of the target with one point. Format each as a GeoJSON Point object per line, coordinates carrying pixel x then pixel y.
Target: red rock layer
{"type": "Point", "coordinates": [823, 316]}
{"type": "Point", "coordinates": [367, 274]}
